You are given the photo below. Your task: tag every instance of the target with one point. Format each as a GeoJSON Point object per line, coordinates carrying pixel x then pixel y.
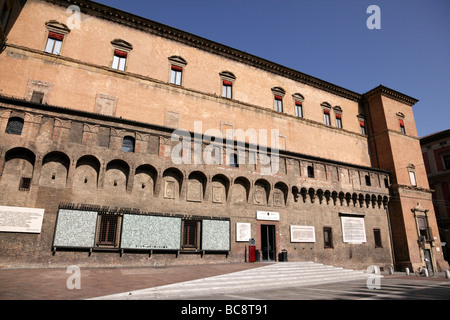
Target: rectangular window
{"type": "Point", "coordinates": [339, 121]}
{"type": "Point", "coordinates": [362, 124]}
{"type": "Point", "coordinates": [191, 234]}
{"type": "Point", "coordinates": [326, 117]}
{"type": "Point", "coordinates": [310, 172]}
{"type": "Point", "coordinates": [278, 103]}
{"type": "Point", "coordinates": [37, 97]}
{"type": "Point", "coordinates": [327, 237]}
{"type": "Point", "coordinates": [175, 75]}
{"type": "Point", "coordinates": [377, 238]}
{"type": "Point", "coordinates": [108, 230]}
{"type": "Point", "coordinates": [402, 127]}
{"type": "Point", "coordinates": [25, 184]}
{"type": "Point", "coordinates": [299, 109]}
{"type": "Point", "coordinates": [368, 182]}
{"type": "Point", "coordinates": [412, 177]}
{"type": "Point", "coordinates": [227, 89]}
{"type": "Point", "coordinates": [119, 60]}
{"type": "Point", "coordinates": [424, 230]}
{"type": "Point", "coordinates": [54, 43]}
{"type": "Point", "coordinates": [447, 161]}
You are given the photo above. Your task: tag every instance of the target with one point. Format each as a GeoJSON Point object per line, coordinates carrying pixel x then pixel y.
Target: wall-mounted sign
{"type": "Point", "coordinates": [303, 234]}
{"type": "Point", "coordinates": [268, 216]}
{"type": "Point", "coordinates": [21, 220]}
{"type": "Point", "coordinates": [243, 232]}
{"type": "Point", "coordinates": [353, 229]}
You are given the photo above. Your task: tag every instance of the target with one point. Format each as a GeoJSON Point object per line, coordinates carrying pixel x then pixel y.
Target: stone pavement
{"type": "Point", "coordinates": [51, 284]}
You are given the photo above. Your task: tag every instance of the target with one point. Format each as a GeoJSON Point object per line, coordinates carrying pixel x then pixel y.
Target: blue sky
{"type": "Point", "coordinates": [329, 39]}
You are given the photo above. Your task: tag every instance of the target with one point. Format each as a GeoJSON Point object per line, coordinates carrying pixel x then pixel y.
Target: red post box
{"type": "Point", "coordinates": [252, 250]}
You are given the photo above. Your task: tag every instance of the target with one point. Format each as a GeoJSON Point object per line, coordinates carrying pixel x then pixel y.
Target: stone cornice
{"type": "Point", "coordinates": [395, 95]}
{"type": "Point", "coordinates": [153, 27]}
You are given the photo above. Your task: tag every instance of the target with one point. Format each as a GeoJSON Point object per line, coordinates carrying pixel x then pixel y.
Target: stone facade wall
{"type": "Point", "coordinates": [86, 173]}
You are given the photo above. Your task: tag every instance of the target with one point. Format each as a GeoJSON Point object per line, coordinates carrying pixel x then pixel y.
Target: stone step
{"type": "Point", "coordinates": [274, 276]}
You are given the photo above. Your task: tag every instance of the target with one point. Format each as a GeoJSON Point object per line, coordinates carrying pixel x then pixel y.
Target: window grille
{"type": "Point", "coordinates": [108, 230]}
{"type": "Point", "coordinates": [14, 126]}
{"type": "Point", "coordinates": [25, 184]}
{"type": "Point", "coordinates": [191, 234]}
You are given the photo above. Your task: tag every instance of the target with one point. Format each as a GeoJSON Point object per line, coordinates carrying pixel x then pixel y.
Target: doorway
{"type": "Point", "coordinates": [268, 245]}
{"type": "Point", "coordinates": [427, 258]}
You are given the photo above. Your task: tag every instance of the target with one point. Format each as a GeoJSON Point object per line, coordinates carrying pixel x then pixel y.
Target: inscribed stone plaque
{"type": "Point", "coordinates": [278, 199]}
{"type": "Point", "coordinates": [243, 232]}
{"type": "Point", "coordinates": [169, 190]}
{"type": "Point", "coordinates": [353, 230]}
{"type": "Point", "coordinates": [151, 232]}
{"type": "Point", "coordinates": [215, 235]}
{"type": "Point", "coordinates": [218, 192]}
{"type": "Point", "coordinates": [21, 220]}
{"type": "Point", "coordinates": [75, 229]}
{"type": "Point", "coordinates": [194, 191]}
{"type": "Point", "coordinates": [303, 234]}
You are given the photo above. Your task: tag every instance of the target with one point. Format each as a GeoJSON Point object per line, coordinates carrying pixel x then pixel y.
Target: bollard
{"type": "Point", "coordinates": [447, 274]}
{"type": "Point", "coordinates": [426, 273]}
{"type": "Point", "coordinates": [391, 270]}
{"type": "Point", "coordinates": [407, 271]}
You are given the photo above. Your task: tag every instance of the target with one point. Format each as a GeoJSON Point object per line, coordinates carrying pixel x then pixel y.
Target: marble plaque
{"type": "Point", "coordinates": [353, 230]}
{"type": "Point", "coordinates": [75, 229]}
{"type": "Point", "coordinates": [215, 235]}
{"type": "Point", "coordinates": [243, 232]}
{"type": "Point", "coordinates": [21, 220]}
{"type": "Point", "coordinates": [151, 232]}
{"type": "Point", "coordinates": [303, 234]}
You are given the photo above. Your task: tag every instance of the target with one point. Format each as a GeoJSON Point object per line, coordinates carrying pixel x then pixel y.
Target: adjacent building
{"type": "Point", "coordinates": [436, 155]}
{"type": "Point", "coordinates": [127, 142]}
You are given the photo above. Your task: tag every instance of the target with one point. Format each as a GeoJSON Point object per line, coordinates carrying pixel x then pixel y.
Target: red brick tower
{"type": "Point", "coordinates": [395, 146]}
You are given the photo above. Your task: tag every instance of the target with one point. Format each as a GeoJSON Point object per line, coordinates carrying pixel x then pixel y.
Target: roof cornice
{"type": "Point", "coordinates": [156, 28]}
{"type": "Point", "coordinates": [387, 92]}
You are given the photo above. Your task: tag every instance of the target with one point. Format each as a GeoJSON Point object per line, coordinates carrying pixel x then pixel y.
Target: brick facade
{"type": "Point", "coordinates": [95, 138]}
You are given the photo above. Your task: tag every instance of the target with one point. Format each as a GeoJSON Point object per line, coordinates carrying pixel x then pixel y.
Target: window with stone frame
{"type": "Point", "coordinates": [338, 115]}
{"type": "Point", "coordinates": [228, 80]}
{"type": "Point", "coordinates": [298, 103]}
{"type": "Point", "coordinates": [108, 230]}
{"type": "Point", "coordinates": [191, 234]}
{"type": "Point", "coordinates": [177, 66]}
{"type": "Point", "coordinates": [56, 34]}
{"type": "Point", "coordinates": [121, 51]}
{"type": "Point", "coordinates": [278, 94]}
